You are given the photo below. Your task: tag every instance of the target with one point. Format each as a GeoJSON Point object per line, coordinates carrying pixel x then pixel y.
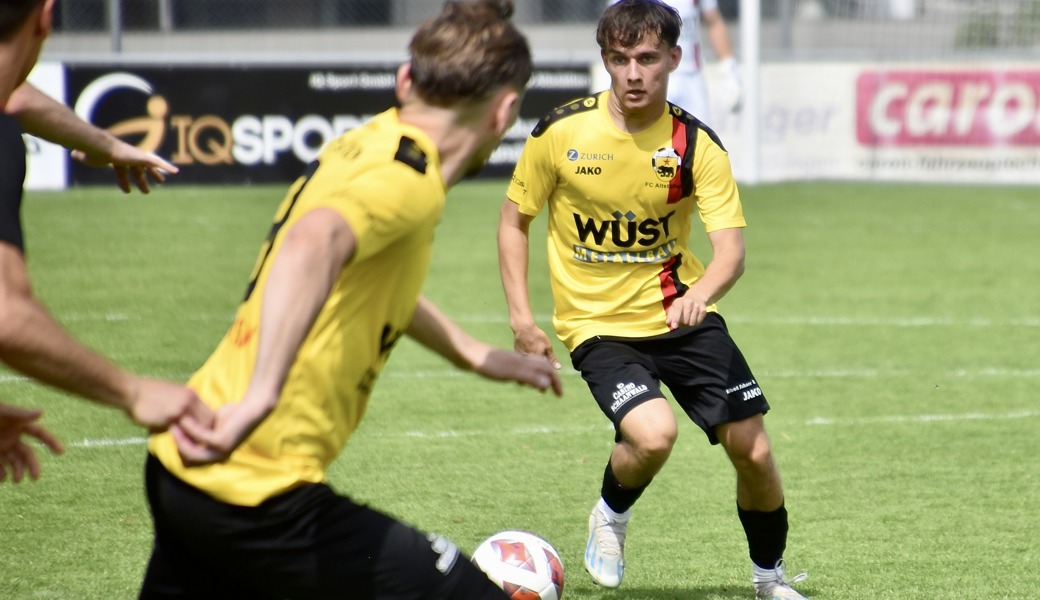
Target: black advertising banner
{"type": "Point", "coordinates": [262, 124]}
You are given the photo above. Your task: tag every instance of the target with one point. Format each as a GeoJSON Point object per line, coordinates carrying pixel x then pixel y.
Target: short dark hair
{"type": "Point", "coordinates": [467, 52]}
{"type": "Point", "coordinates": [13, 14]}
{"type": "Point", "coordinates": [629, 22]}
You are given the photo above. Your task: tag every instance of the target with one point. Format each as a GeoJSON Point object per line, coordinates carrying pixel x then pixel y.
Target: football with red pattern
{"type": "Point", "coordinates": [523, 564]}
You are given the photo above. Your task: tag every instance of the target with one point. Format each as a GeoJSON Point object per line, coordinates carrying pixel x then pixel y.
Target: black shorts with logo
{"type": "Point", "coordinates": [309, 543]}
{"type": "Point", "coordinates": [701, 366]}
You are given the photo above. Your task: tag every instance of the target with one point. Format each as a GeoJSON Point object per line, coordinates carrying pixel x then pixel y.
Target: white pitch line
{"type": "Point", "coordinates": [920, 321]}
{"type": "Point", "coordinates": [813, 320]}
{"type": "Point", "coordinates": [545, 430]}
{"type": "Point", "coordinates": [522, 431]}
{"type": "Point", "coordinates": [889, 321]}
{"type": "Point", "coordinates": [1025, 414]}
{"type": "Point", "coordinates": [108, 442]}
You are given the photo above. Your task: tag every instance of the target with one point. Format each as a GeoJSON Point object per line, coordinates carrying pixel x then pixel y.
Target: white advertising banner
{"type": "Point", "coordinates": [46, 162]}
{"type": "Point", "coordinates": [977, 123]}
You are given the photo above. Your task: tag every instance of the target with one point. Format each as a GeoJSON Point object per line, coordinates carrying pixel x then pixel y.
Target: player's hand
{"type": "Point", "coordinates": [687, 311]}
{"type": "Point", "coordinates": [531, 370]}
{"type": "Point", "coordinates": [532, 340]}
{"type": "Point", "coordinates": [732, 92]}
{"type": "Point", "coordinates": [129, 163]}
{"type": "Point", "coordinates": [157, 404]}
{"type": "Point", "coordinates": [16, 456]}
{"type": "Point", "coordinates": [201, 445]}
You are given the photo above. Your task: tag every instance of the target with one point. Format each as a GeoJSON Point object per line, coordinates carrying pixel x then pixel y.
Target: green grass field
{"type": "Point", "coordinates": [894, 329]}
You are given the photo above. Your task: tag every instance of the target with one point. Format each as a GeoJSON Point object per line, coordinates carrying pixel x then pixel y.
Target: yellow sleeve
{"type": "Point", "coordinates": [534, 177]}
{"type": "Point", "coordinates": [380, 206]}
{"type": "Point", "coordinates": [715, 190]}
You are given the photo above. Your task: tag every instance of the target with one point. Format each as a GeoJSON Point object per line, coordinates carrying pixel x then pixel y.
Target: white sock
{"type": "Point", "coordinates": [760, 574]}
{"type": "Point", "coordinates": [612, 516]}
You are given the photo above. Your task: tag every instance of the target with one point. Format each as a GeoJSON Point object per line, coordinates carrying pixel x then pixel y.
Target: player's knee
{"type": "Point", "coordinates": [651, 430]}
{"type": "Point", "coordinates": [654, 444]}
{"type": "Point", "coordinates": [754, 458]}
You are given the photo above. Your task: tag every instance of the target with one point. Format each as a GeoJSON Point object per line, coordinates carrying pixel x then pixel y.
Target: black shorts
{"type": "Point", "coordinates": [309, 543]}
{"type": "Point", "coordinates": [701, 366]}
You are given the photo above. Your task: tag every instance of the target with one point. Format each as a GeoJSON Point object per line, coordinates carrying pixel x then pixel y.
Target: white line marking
{"type": "Point", "coordinates": [544, 430]}
{"type": "Point", "coordinates": [814, 320]}
{"type": "Point", "coordinates": [890, 321]}
{"type": "Point", "coordinates": [520, 431]}
{"type": "Point", "coordinates": [925, 321]}
{"type": "Point", "coordinates": [107, 442]}
{"type": "Point", "coordinates": [1025, 414]}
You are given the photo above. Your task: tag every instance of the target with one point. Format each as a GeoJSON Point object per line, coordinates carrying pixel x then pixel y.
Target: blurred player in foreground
{"type": "Point", "coordinates": [243, 511]}
{"type": "Point", "coordinates": [31, 341]}
{"type": "Point", "coordinates": [623, 174]}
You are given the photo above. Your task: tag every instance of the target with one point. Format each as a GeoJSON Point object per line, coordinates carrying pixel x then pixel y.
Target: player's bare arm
{"type": "Point", "coordinates": [732, 89]}
{"type": "Point", "coordinates": [51, 120]}
{"type": "Point", "coordinates": [435, 330]}
{"type": "Point", "coordinates": [310, 259]}
{"type": "Point", "coordinates": [33, 343]}
{"type": "Point", "coordinates": [725, 268]}
{"type": "Point", "coordinates": [718, 34]}
{"type": "Point", "coordinates": [513, 255]}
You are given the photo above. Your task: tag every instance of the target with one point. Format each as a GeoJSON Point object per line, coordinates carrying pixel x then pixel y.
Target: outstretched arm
{"type": "Point", "coordinates": [302, 274]}
{"type": "Point", "coordinates": [51, 120]}
{"type": "Point", "coordinates": [433, 329]}
{"type": "Point", "coordinates": [513, 254]}
{"type": "Point", "coordinates": [33, 343]}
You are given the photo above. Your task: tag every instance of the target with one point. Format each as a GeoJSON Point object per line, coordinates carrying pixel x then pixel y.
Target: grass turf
{"type": "Point", "coordinates": [893, 329]}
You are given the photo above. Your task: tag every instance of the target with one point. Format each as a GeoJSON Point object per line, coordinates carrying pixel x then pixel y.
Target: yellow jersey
{"type": "Point", "coordinates": [384, 178]}
{"type": "Point", "coordinates": [620, 209]}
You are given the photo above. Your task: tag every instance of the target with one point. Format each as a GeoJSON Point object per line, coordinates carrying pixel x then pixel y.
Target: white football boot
{"type": "Point", "coordinates": [604, 554]}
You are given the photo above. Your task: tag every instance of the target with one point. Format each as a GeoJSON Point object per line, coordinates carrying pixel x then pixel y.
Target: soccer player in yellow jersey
{"type": "Point", "coordinates": [241, 510]}
{"type": "Point", "coordinates": [622, 174]}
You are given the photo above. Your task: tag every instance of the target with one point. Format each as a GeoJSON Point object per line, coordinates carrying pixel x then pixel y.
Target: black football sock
{"type": "Point", "coordinates": [766, 535]}
{"type": "Point", "coordinates": [618, 497]}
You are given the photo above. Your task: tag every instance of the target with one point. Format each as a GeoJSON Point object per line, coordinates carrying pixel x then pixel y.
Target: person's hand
{"type": "Point", "coordinates": [532, 370]}
{"type": "Point", "coordinates": [533, 341]}
{"type": "Point", "coordinates": [129, 163]}
{"type": "Point", "coordinates": [158, 404]}
{"type": "Point", "coordinates": [732, 93]}
{"type": "Point", "coordinates": [16, 456]}
{"type": "Point", "coordinates": [686, 311]}
{"type": "Point", "coordinates": [199, 445]}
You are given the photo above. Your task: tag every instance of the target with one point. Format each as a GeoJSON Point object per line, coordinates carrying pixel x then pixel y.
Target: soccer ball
{"type": "Point", "coordinates": [524, 565]}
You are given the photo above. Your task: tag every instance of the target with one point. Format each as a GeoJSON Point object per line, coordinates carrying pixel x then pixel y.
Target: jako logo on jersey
{"type": "Point", "coordinates": [625, 231]}
{"type": "Point", "coordinates": [588, 170]}
{"type": "Point", "coordinates": [666, 163]}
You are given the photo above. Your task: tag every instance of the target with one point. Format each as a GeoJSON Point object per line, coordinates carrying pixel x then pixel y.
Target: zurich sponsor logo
{"type": "Point", "coordinates": [572, 155]}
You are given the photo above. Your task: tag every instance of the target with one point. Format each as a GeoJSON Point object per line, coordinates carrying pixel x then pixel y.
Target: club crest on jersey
{"type": "Point", "coordinates": [666, 164]}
